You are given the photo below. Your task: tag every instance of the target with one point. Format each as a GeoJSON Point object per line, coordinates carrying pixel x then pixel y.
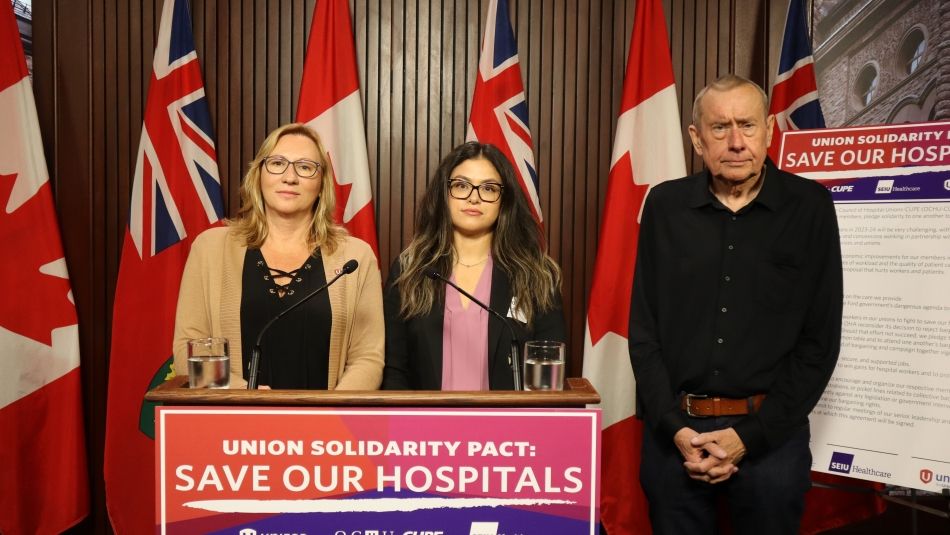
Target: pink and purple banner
{"type": "Point", "coordinates": [248, 471]}
{"type": "Point", "coordinates": [873, 164]}
{"type": "Point", "coordinates": [884, 414]}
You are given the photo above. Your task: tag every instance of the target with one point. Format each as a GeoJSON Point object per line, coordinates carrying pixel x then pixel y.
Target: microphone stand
{"type": "Point", "coordinates": [514, 359]}
{"type": "Point", "coordinates": [255, 363]}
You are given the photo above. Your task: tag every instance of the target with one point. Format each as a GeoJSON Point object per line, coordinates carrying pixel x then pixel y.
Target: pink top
{"type": "Point", "coordinates": [465, 337]}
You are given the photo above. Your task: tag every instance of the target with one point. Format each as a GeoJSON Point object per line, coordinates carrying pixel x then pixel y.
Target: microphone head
{"type": "Point", "coordinates": [350, 266]}
{"type": "Point", "coordinates": [433, 274]}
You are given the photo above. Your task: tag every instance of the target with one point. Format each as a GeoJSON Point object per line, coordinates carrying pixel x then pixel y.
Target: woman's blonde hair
{"type": "Point", "coordinates": [251, 222]}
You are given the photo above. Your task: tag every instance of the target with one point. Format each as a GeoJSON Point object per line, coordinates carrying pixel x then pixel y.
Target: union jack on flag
{"type": "Point", "coordinates": [176, 194]}
{"type": "Point", "coordinates": [795, 92]}
{"type": "Point", "coordinates": [176, 166]}
{"type": "Point", "coordinates": [499, 108]}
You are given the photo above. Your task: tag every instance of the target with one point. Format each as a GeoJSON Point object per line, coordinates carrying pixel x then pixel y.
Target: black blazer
{"type": "Point", "coordinates": [414, 346]}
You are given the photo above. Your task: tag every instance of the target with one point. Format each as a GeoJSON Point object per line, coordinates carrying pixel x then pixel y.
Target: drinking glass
{"type": "Point", "coordinates": [209, 363]}
{"type": "Point", "coordinates": [544, 365]}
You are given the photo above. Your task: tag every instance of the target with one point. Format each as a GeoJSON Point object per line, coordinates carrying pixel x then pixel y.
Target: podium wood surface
{"type": "Point", "coordinates": [577, 392]}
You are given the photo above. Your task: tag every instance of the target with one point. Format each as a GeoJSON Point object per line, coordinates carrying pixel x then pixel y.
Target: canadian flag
{"type": "Point", "coordinates": [648, 149]}
{"type": "Point", "coordinates": [330, 104]}
{"type": "Point", "coordinates": [43, 479]}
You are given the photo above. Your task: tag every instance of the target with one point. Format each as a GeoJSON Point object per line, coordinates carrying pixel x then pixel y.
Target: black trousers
{"type": "Point", "coordinates": [766, 495]}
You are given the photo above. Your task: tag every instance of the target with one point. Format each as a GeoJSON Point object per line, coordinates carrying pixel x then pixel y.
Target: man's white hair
{"type": "Point", "coordinates": [725, 83]}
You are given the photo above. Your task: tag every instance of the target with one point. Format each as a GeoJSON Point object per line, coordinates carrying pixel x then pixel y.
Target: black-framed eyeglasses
{"type": "Point", "coordinates": [487, 192]}
{"type": "Point", "coordinates": [304, 168]}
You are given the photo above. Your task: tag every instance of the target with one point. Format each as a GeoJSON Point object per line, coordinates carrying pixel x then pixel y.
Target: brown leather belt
{"type": "Point", "coordinates": [701, 406]}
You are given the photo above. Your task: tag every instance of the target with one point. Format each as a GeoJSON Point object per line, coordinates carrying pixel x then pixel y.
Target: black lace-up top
{"type": "Point", "coordinates": [295, 350]}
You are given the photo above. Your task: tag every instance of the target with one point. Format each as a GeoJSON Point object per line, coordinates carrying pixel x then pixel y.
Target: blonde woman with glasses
{"type": "Point", "coordinates": [282, 245]}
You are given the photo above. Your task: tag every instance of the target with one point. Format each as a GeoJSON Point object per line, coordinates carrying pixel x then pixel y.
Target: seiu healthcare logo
{"type": "Point", "coordinates": [841, 462]}
{"type": "Point", "coordinates": [884, 186]}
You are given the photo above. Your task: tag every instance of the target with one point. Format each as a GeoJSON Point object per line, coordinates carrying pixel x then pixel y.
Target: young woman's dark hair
{"type": "Point", "coordinates": [516, 242]}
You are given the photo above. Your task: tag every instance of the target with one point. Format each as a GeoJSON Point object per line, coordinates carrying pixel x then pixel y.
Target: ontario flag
{"type": "Point", "coordinates": [648, 149]}
{"type": "Point", "coordinates": [499, 108]}
{"type": "Point", "coordinates": [43, 479]}
{"type": "Point", "coordinates": [330, 104]}
{"type": "Point", "coordinates": [176, 194]}
{"type": "Point", "coordinates": [795, 106]}
{"type": "Point", "coordinates": [794, 99]}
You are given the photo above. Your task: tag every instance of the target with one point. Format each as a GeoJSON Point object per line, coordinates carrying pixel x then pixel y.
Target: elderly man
{"type": "Point", "coordinates": [735, 325]}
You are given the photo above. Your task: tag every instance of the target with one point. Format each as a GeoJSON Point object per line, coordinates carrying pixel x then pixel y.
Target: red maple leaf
{"type": "Point", "coordinates": [341, 191]}
{"type": "Point", "coordinates": [362, 224]}
{"type": "Point", "coordinates": [32, 303]}
{"type": "Point", "coordinates": [616, 256]}
{"type": "Point", "coordinates": [342, 197]}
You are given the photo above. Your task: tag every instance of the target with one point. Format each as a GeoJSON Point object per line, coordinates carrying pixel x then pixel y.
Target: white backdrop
{"type": "Point", "coordinates": [885, 415]}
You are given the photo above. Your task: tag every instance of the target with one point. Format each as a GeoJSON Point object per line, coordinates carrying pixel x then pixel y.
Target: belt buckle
{"type": "Point", "coordinates": [689, 405]}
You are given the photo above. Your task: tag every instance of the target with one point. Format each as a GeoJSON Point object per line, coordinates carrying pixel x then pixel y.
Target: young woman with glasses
{"type": "Point", "coordinates": [282, 245]}
{"type": "Point", "coordinates": [474, 228]}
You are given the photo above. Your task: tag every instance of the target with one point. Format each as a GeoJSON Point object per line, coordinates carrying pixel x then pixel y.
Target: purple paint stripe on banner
{"type": "Point", "coordinates": [480, 520]}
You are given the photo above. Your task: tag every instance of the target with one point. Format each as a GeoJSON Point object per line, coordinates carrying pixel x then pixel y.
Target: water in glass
{"type": "Point", "coordinates": [544, 365]}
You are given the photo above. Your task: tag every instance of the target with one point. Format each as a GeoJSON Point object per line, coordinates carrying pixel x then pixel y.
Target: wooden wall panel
{"type": "Point", "coordinates": [417, 61]}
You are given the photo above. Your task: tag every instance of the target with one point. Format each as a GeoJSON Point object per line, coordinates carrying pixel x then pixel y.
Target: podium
{"type": "Point", "coordinates": [383, 462]}
{"type": "Point", "coordinates": [577, 393]}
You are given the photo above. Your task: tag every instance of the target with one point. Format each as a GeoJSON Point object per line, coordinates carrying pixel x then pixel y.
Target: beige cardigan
{"type": "Point", "coordinates": [209, 304]}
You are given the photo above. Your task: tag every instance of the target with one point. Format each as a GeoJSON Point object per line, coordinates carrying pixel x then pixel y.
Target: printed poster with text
{"type": "Point", "coordinates": [885, 415]}
{"type": "Point", "coordinates": [253, 471]}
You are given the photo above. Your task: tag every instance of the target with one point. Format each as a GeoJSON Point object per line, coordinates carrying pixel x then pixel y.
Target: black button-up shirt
{"type": "Point", "coordinates": [736, 304]}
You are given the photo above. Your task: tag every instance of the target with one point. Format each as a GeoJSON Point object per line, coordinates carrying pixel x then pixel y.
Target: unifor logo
{"type": "Point", "coordinates": [841, 462]}
{"type": "Point", "coordinates": [926, 475]}
{"type": "Point", "coordinates": [248, 531]}
{"type": "Point", "coordinates": [946, 184]}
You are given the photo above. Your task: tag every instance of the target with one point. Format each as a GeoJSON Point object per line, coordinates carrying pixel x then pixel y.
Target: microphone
{"type": "Point", "coordinates": [349, 267]}
{"type": "Point", "coordinates": [513, 358]}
